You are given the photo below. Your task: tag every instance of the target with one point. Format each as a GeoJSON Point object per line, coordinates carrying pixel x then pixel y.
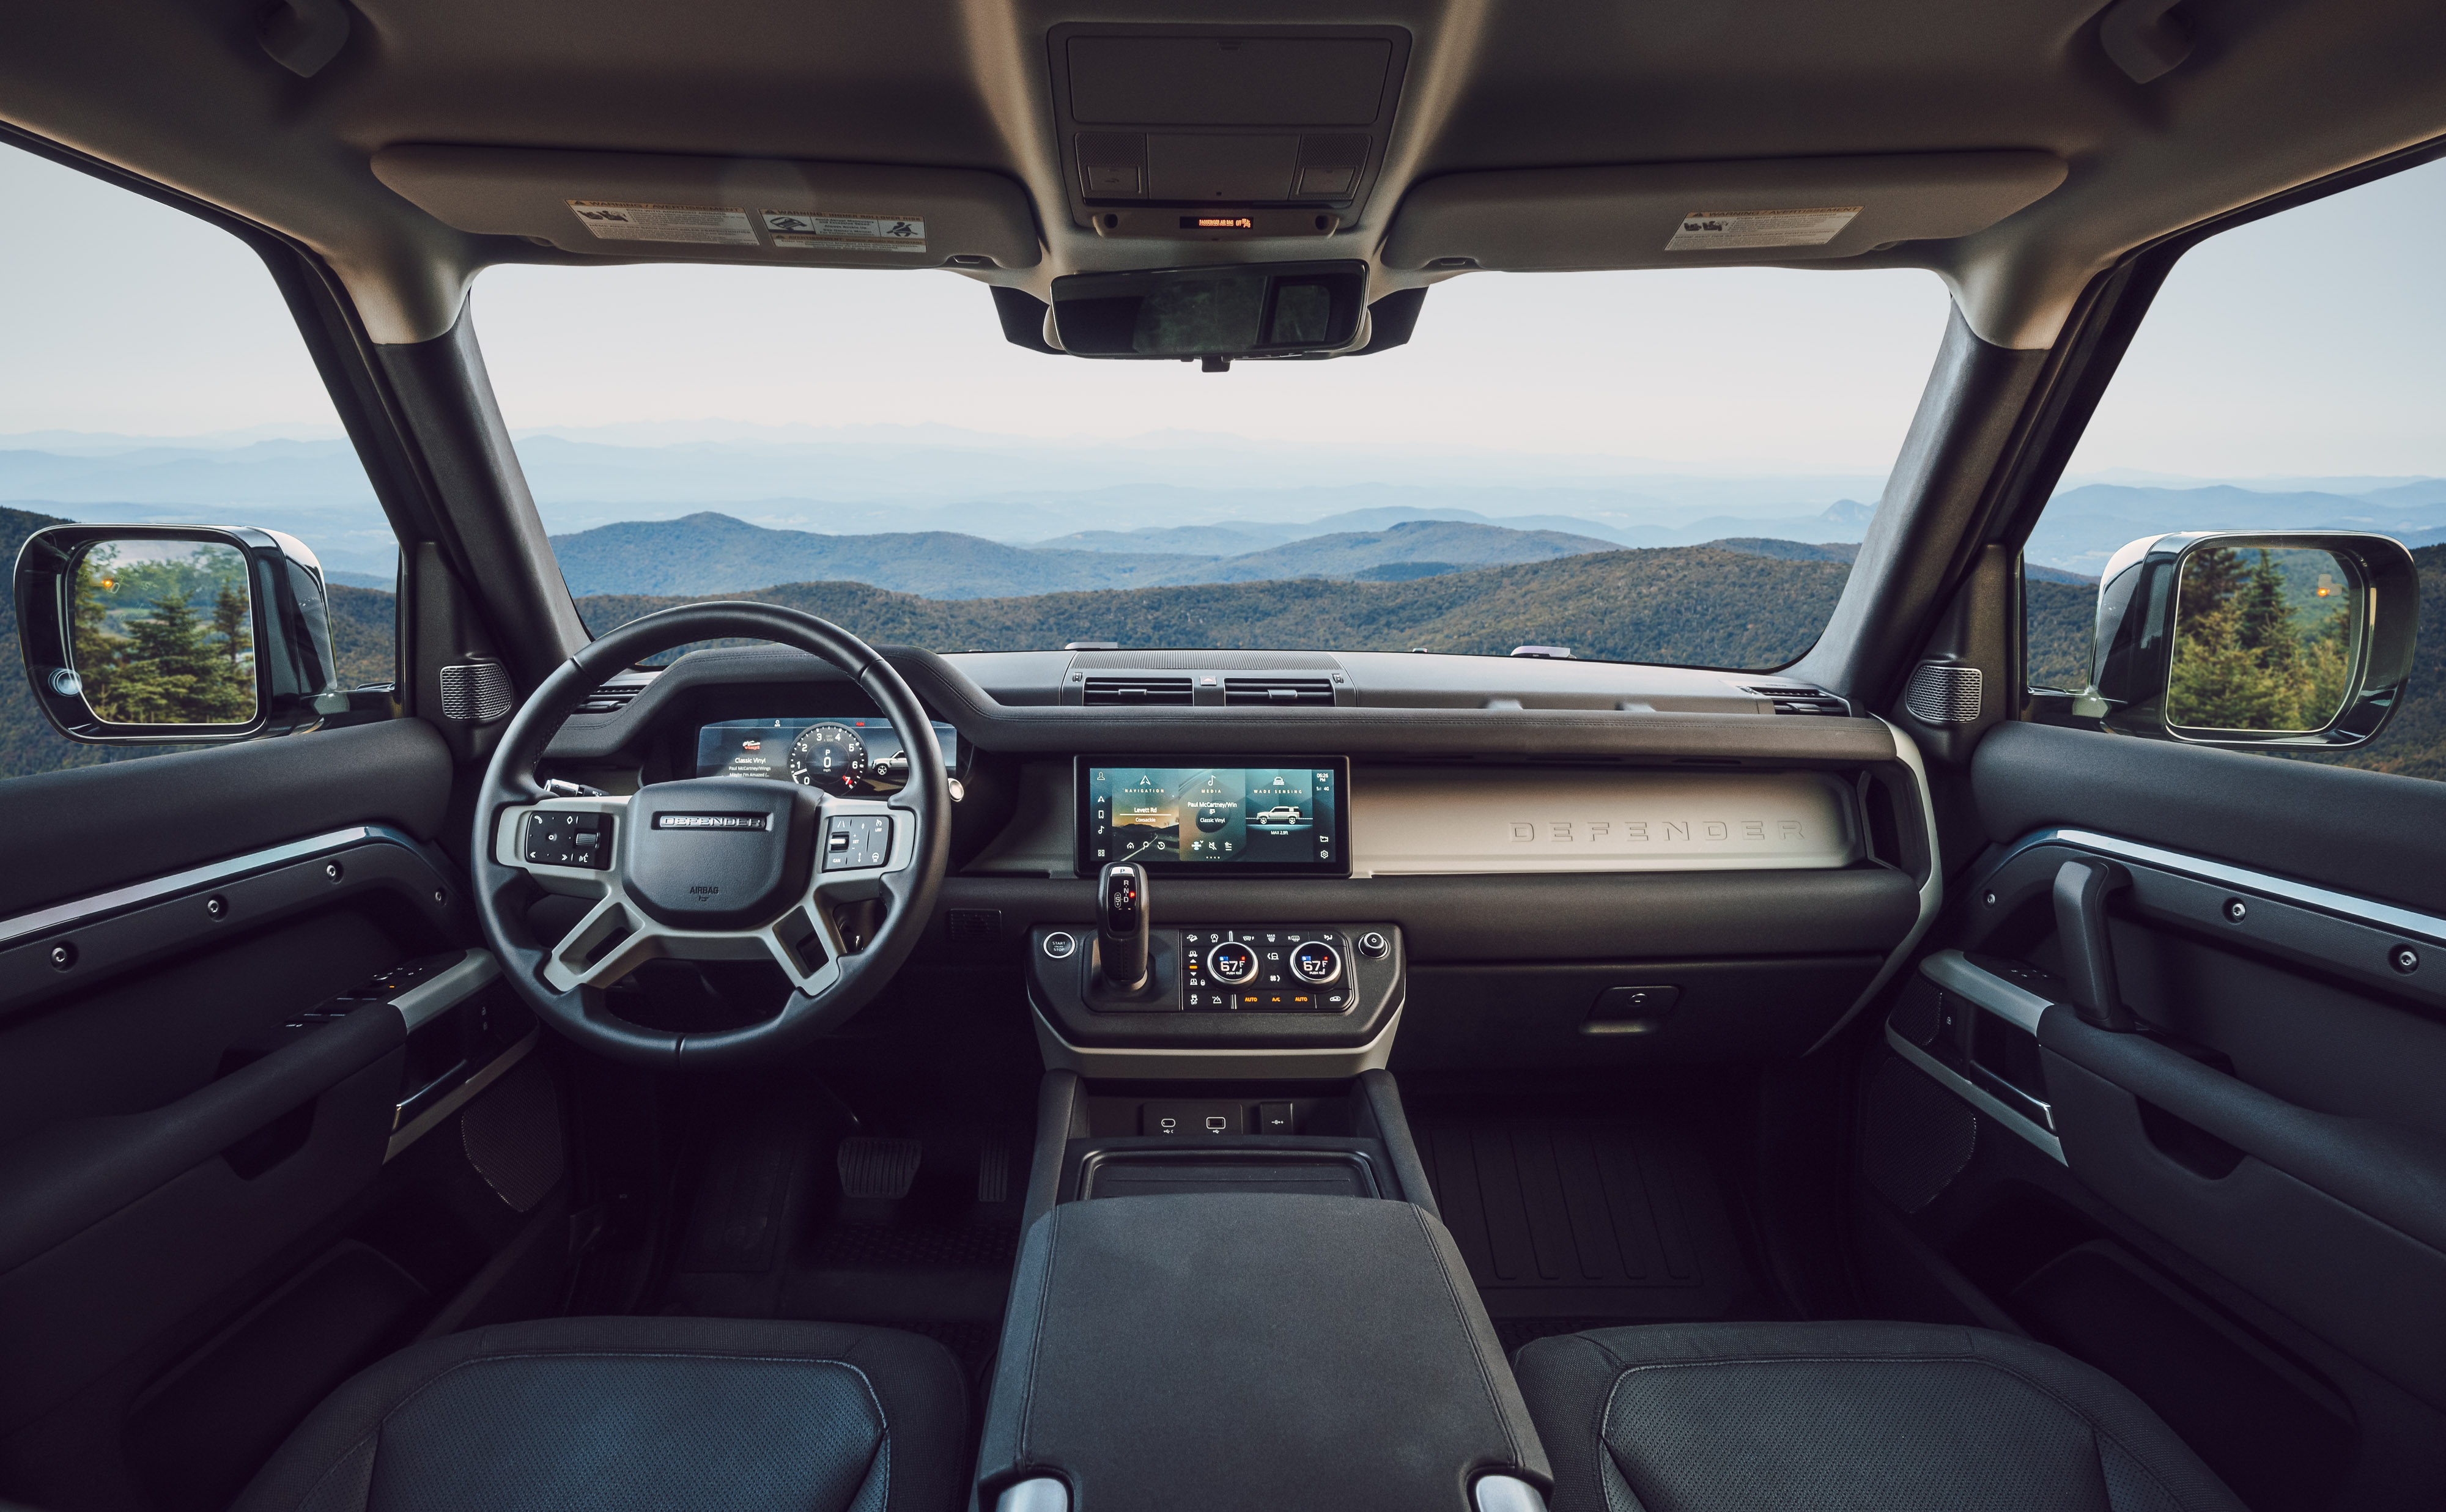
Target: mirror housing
{"type": "Point", "coordinates": [1214, 313]}
{"type": "Point", "coordinates": [296, 684]}
{"type": "Point", "coordinates": [2131, 656]}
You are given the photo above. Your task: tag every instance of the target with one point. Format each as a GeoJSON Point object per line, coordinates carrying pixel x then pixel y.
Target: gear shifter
{"type": "Point", "coordinates": [1122, 926]}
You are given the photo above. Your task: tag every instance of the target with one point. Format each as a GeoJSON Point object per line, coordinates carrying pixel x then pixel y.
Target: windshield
{"type": "Point", "coordinates": [1670, 467]}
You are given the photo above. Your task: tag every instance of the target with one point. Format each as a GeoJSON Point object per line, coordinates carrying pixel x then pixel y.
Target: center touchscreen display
{"type": "Point", "coordinates": [1282, 817]}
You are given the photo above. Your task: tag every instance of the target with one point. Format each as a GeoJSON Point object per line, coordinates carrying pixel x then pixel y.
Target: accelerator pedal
{"type": "Point", "coordinates": [874, 1166]}
{"type": "Point", "coordinates": [993, 1171]}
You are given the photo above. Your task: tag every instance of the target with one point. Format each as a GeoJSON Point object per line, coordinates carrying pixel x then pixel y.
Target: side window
{"type": "Point", "coordinates": [152, 375]}
{"type": "Point", "coordinates": [2287, 378]}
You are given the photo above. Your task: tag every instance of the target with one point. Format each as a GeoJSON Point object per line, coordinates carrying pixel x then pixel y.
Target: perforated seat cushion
{"type": "Point", "coordinates": [1877, 1417]}
{"type": "Point", "coordinates": [654, 1414]}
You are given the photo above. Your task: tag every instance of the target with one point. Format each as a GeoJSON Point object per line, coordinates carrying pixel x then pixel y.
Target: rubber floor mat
{"type": "Point", "coordinates": [1584, 1221]}
{"type": "Point", "coordinates": [740, 1215]}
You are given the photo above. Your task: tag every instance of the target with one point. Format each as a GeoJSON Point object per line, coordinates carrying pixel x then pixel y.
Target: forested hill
{"type": "Point", "coordinates": [1692, 605]}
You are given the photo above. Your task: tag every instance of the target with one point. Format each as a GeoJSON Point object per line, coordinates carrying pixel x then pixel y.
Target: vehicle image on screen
{"type": "Point", "coordinates": [1198, 853]}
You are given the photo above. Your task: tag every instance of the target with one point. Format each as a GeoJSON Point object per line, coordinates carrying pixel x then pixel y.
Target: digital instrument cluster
{"type": "Point", "coordinates": [1283, 817]}
{"type": "Point", "coordinates": [850, 757]}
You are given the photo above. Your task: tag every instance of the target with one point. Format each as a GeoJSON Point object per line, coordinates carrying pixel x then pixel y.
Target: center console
{"type": "Point", "coordinates": [1234, 1290]}
{"type": "Point", "coordinates": [1242, 1298]}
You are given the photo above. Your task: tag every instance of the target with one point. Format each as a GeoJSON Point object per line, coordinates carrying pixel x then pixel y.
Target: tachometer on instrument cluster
{"type": "Point", "coordinates": [830, 756]}
{"type": "Point", "coordinates": [859, 757]}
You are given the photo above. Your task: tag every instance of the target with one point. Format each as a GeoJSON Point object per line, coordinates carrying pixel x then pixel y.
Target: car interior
{"type": "Point", "coordinates": [1136, 1073]}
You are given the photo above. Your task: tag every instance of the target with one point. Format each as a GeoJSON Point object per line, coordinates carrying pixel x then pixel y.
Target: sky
{"type": "Point", "coordinates": [2302, 345]}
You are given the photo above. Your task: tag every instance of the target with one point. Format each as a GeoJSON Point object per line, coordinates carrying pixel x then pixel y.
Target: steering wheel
{"type": "Point", "coordinates": [713, 869]}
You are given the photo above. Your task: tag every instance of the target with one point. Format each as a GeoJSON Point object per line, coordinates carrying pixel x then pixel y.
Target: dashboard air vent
{"type": "Point", "coordinates": [1127, 689]}
{"type": "Point", "coordinates": [1803, 701]}
{"type": "Point", "coordinates": [1279, 690]}
{"type": "Point", "coordinates": [611, 697]}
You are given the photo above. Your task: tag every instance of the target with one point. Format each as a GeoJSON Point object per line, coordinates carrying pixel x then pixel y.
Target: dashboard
{"type": "Point", "coordinates": [1526, 836]}
{"type": "Point", "coordinates": [849, 755]}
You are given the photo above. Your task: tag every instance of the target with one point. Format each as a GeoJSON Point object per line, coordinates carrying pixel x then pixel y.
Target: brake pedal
{"type": "Point", "coordinates": [874, 1166]}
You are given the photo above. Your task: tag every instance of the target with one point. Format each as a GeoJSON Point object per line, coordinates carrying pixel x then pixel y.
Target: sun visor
{"type": "Point", "coordinates": [1705, 214]}
{"type": "Point", "coordinates": [735, 209]}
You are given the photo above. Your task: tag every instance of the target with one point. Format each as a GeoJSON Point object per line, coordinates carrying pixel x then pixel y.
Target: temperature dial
{"type": "Point", "coordinates": [1232, 963]}
{"type": "Point", "coordinates": [1315, 963]}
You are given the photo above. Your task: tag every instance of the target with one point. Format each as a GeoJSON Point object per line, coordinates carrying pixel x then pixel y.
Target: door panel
{"type": "Point", "coordinates": [2265, 1153]}
{"type": "Point", "coordinates": [202, 1065]}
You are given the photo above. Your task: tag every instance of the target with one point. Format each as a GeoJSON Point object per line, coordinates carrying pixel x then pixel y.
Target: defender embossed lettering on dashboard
{"type": "Point", "coordinates": [712, 821]}
{"type": "Point", "coordinates": [1423, 821]}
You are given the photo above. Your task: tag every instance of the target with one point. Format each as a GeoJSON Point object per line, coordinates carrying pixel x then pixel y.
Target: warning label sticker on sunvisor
{"type": "Point", "coordinates": [806, 231]}
{"type": "Point", "coordinates": [1726, 229]}
{"type": "Point", "coordinates": [616, 222]}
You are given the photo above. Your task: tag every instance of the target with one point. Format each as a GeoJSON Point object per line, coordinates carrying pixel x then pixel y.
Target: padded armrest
{"type": "Point", "coordinates": [1254, 1350]}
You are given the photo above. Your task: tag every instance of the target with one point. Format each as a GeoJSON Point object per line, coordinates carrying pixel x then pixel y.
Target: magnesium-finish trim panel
{"type": "Point", "coordinates": [1430, 821]}
{"type": "Point", "coordinates": [2365, 833]}
{"type": "Point", "coordinates": [74, 946]}
{"type": "Point", "coordinates": [68, 835]}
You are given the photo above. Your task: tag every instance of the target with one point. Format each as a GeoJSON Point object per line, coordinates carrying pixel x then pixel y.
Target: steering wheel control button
{"type": "Point", "coordinates": [1374, 945]}
{"type": "Point", "coordinates": [556, 839]}
{"type": "Point", "coordinates": [1061, 944]}
{"type": "Point", "coordinates": [1316, 962]}
{"type": "Point", "coordinates": [858, 840]}
{"type": "Point", "coordinates": [1232, 963]}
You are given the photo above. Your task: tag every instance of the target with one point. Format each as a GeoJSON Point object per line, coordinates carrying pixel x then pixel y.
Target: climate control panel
{"type": "Point", "coordinates": [1303, 981]}
{"type": "Point", "coordinates": [1279, 971]}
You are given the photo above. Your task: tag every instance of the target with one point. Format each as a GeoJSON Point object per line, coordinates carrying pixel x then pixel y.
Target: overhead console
{"type": "Point", "coordinates": [1223, 133]}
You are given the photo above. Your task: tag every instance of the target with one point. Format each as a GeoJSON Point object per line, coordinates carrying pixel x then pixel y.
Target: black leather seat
{"type": "Point", "coordinates": [658, 1414]}
{"type": "Point", "coordinates": [1880, 1417]}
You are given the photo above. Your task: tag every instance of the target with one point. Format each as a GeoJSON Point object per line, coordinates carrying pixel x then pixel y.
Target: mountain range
{"type": "Point", "coordinates": [1186, 494]}
{"type": "Point", "coordinates": [715, 553]}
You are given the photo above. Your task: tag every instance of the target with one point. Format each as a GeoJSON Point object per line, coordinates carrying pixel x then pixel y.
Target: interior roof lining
{"type": "Point", "coordinates": [2288, 93]}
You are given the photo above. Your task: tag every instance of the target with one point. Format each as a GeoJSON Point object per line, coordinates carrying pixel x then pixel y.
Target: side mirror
{"type": "Point", "coordinates": [175, 634]}
{"type": "Point", "coordinates": [2254, 639]}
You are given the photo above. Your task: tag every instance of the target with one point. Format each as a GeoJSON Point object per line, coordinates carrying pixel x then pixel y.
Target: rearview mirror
{"type": "Point", "coordinates": [2291, 638]}
{"type": "Point", "coordinates": [1268, 309]}
{"type": "Point", "coordinates": [149, 635]}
